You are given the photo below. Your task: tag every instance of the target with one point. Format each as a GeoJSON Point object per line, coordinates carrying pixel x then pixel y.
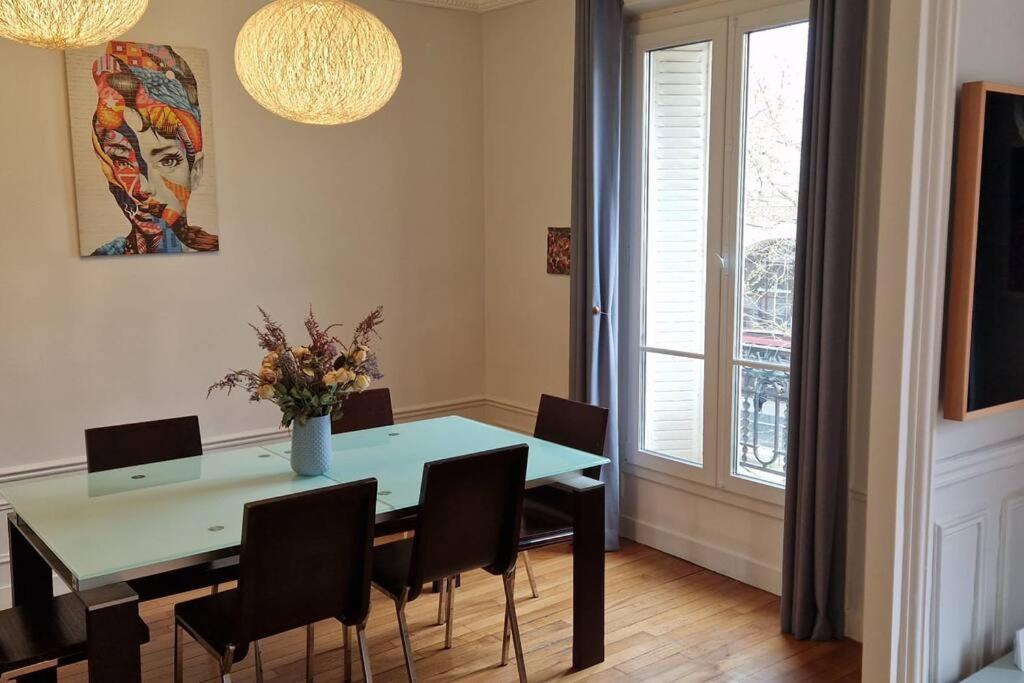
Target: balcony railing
{"type": "Point", "coordinates": [763, 422]}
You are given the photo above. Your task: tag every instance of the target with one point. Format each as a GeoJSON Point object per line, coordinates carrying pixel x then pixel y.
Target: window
{"type": "Point", "coordinates": [772, 128]}
{"type": "Point", "coordinates": [675, 274]}
{"type": "Point", "coordinates": [720, 117]}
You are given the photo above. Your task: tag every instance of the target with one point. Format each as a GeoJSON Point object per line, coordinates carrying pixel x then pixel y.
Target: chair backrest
{"type": "Point", "coordinates": [141, 443]}
{"type": "Point", "coordinates": [365, 410]}
{"type": "Point", "coordinates": [570, 423]}
{"type": "Point", "coordinates": [469, 515]}
{"type": "Point", "coordinates": [306, 557]}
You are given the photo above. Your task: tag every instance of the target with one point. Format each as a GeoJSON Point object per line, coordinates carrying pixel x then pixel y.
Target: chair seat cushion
{"type": "Point", "coordinates": [391, 566]}
{"type": "Point", "coordinates": [213, 620]}
{"type": "Point", "coordinates": [546, 514]}
{"type": "Point", "coordinates": [30, 634]}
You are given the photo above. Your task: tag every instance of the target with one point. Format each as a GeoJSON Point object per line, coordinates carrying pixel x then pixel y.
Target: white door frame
{"type": "Point", "coordinates": [913, 207]}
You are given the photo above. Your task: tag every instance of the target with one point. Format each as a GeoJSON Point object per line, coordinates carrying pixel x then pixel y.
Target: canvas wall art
{"type": "Point", "coordinates": [558, 251]}
{"type": "Point", "coordinates": [985, 319]}
{"type": "Point", "coordinates": [142, 139]}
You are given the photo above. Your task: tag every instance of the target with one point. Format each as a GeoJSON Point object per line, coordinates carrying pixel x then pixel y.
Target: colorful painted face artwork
{"type": "Point", "coordinates": [558, 251]}
{"type": "Point", "coordinates": [141, 132]}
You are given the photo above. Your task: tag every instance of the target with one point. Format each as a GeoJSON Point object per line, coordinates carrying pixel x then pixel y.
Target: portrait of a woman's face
{"type": "Point", "coordinates": [149, 149]}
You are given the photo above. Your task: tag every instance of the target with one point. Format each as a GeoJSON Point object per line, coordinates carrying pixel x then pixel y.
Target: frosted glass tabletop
{"type": "Point", "coordinates": [136, 521]}
{"type": "Point", "coordinates": [395, 455]}
{"type": "Point", "coordinates": [111, 525]}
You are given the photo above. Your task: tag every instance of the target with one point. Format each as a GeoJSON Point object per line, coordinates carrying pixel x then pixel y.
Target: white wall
{"type": "Point", "coordinates": [527, 111]}
{"type": "Point", "coordinates": [385, 211]}
{"type": "Point", "coordinates": [978, 499]}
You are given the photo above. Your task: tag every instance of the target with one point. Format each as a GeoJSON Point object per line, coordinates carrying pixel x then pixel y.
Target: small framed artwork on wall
{"type": "Point", "coordinates": [559, 243]}
{"type": "Point", "coordinates": [985, 319]}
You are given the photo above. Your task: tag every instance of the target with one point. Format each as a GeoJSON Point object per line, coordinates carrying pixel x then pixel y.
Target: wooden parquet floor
{"type": "Point", "coordinates": [667, 620]}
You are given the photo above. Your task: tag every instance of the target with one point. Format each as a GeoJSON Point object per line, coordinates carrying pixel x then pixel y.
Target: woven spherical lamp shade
{"type": "Point", "coordinates": [64, 24]}
{"type": "Point", "coordinates": [318, 61]}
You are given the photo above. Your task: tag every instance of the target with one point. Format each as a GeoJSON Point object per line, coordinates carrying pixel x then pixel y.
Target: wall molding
{"type": "Point", "coordinates": [510, 415]}
{"type": "Point", "coordinates": [979, 462]}
{"type": "Point", "coordinates": [922, 257]}
{"type": "Point", "coordinates": [942, 531]}
{"type": "Point", "coordinates": [483, 6]}
{"type": "Point", "coordinates": [475, 6]}
{"type": "Point", "coordinates": [1004, 631]}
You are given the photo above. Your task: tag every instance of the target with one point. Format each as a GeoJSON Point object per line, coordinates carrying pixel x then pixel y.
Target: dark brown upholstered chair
{"type": "Point", "coordinates": [365, 410]}
{"type": "Point", "coordinates": [144, 443]}
{"type": "Point", "coordinates": [325, 539]}
{"type": "Point", "coordinates": [43, 636]}
{"type": "Point", "coordinates": [547, 511]}
{"type": "Point", "coordinates": [547, 516]}
{"type": "Point", "coordinates": [468, 518]}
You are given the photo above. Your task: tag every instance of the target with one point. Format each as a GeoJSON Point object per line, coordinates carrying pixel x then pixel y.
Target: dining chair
{"type": "Point", "coordinates": [365, 410]}
{"type": "Point", "coordinates": [469, 514]}
{"type": "Point", "coordinates": [304, 557]}
{"type": "Point", "coordinates": [145, 443]}
{"type": "Point", "coordinates": [42, 636]}
{"type": "Point", "coordinates": [142, 443]}
{"type": "Point", "coordinates": [547, 511]}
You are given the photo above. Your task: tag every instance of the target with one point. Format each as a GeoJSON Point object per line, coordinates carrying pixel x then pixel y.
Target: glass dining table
{"type": "Point", "coordinates": [100, 530]}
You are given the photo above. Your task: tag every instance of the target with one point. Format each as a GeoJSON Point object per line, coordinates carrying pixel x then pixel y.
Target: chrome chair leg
{"type": "Point", "coordinates": [259, 661]}
{"type": "Point", "coordinates": [510, 602]}
{"type": "Point", "coordinates": [403, 630]}
{"type": "Point", "coordinates": [347, 638]}
{"type": "Point", "coordinates": [442, 600]}
{"type": "Point", "coordinates": [449, 612]}
{"type": "Point", "coordinates": [364, 653]}
{"type": "Point", "coordinates": [506, 634]}
{"type": "Point", "coordinates": [529, 573]}
{"type": "Point", "coordinates": [309, 652]}
{"type": "Point", "coordinates": [178, 658]}
{"type": "Point", "coordinates": [226, 664]}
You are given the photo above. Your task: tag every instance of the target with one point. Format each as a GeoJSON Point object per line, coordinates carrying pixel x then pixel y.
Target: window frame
{"type": "Point", "coordinates": [725, 176]}
{"type": "Point", "coordinates": [715, 32]}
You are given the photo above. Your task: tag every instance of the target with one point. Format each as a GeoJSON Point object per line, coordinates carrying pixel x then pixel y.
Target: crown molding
{"type": "Point", "coordinates": [483, 6]}
{"type": "Point", "coordinates": [461, 5]}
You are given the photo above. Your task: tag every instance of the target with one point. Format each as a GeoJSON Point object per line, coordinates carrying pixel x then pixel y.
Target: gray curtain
{"type": "Point", "coordinates": [814, 553]}
{"type": "Point", "coordinates": [594, 301]}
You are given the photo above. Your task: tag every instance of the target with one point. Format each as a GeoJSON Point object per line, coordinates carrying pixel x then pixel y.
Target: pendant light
{"type": "Point", "coordinates": [65, 24]}
{"type": "Point", "coordinates": [318, 61]}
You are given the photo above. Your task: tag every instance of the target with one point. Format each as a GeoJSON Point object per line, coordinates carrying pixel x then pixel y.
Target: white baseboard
{"type": "Point", "coordinates": [717, 559]}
